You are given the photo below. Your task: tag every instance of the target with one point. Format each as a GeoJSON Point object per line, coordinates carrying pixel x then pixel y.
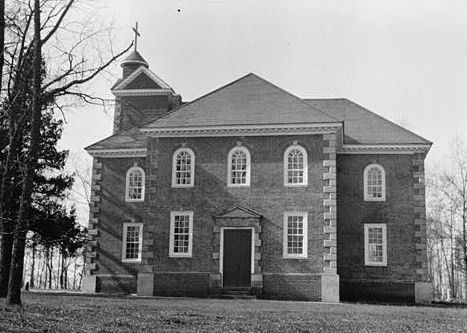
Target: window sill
{"type": "Point", "coordinates": [181, 186]}
{"type": "Point", "coordinates": [134, 200]}
{"type": "Point", "coordinates": [376, 264]}
{"type": "Point", "coordinates": [185, 255]}
{"type": "Point", "coordinates": [295, 185]}
{"type": "Point", "coordinates": [301, 256]}
{"type": "Point", "coordinates": [235, 185]}
{"type": "Point", "coordinates": [131, 261]}
{"type": "Point", "coordinates": [374, 200]}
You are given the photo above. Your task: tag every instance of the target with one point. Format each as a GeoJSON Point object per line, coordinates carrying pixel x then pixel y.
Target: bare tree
{"type": "Point", "coordinates": [49, 18]}
{"type": "Point", "coordinates": [19, 243]}
{"type": "Point", "coordinates": [82, 170]}
{"type": "Point", "coordinates": [2, 40]}
{"type": "Point", "coordinates": [455, 183]}
{"type": "Point", "coordinates": [448, 210]}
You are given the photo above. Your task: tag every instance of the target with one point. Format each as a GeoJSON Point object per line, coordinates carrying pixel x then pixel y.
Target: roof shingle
{"type": "Point", "coordinates": [249, 100]}
{"type": "Point", "coordinates": [252, 100]}
{"type": "Point", "coordinates": [129, 139]}
{"type": "Point", "coordinates": [362, 126]}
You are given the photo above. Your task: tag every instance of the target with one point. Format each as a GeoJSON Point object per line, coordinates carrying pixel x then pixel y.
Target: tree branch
{"type": "Point", "coordinates": [59, 21]}
{"type": "Point", "coordinates": [58, 91]}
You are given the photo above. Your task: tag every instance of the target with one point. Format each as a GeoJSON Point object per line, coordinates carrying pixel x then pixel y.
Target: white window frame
{"type": "Point", "coordinates": [173, 254]}
{"type": "Point", "coordinates": [127, 184]}
{"type": "Point", "coordinates": [124, 243]}
{"type": "Point", "coordinates": [305, 166]}
{"type": "Point", "coordinates": [366, 197]}
{"type": "Point", "coordinates": [248, 167]}
{"type": "Point", "coordinates": [174, 168]}
{"type": "Point", "coordinates": [385, 244]}
{"type": "Point", "coordinates": [304, 253]}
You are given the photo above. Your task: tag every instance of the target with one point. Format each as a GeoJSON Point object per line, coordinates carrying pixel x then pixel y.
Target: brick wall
{"type": "Point", "coordinates": [117, 284]}
{"type": "Point", "coordinates": [181, 284]}
{"type": "Point", "coordinates": [378, 291]}
{"type": "Point", "coordinates": [304, 287]}
{"type": "Point", "coordinates": [132, 111]}
{"type": "Point", "coordinates": [283, 278]}
{"type": "Point", "coordinates": [113, 211]}
{"type": "Point", "coordinates": [210, 195]}
{"type": "Point", "coordinates": [398, 214]}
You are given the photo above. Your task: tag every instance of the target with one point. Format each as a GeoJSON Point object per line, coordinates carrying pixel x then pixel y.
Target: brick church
{"type": "Point", "coordinates": [252, 189]}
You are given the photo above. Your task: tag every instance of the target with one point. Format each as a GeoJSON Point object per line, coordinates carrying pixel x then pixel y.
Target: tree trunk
{"type": "Point", "coordinates": [65, 272]}
{"type": "Point", "coordinates": [41, 274]}
{"type": "Point", "coordinates": [50, 267]}
{"type": "Point", "coordinates": [17, 261]}
{"type": "Point", "coordinates": [464, 247]}
{"type": "Point", "coordinates": [15, 137]}
{"type": "Point", "coordinates": [2, 39]}
{"type": "Point", "coordinates": [81, 277]}
{"type": "Point", "coordinates": [5, 259]}
{"type": "Point", "coordinates": [74, 275]}
{"type": "Point", "coordinates": [33, 265]}
{"type": "Point", "coordinates": [60, 269]}
{"type": "Point", "coordinates": [46, 267]}
{"type": "Point", "coordinates": [440, 274]}
{"type": "Point", "coordinates": [7, 223]}
{"type": "Point", "coordinates": [452, 251]}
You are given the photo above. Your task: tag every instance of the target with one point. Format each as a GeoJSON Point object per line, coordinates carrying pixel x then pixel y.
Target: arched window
{"type": "Point", "coordinates": [374, 183]}
{"type": "Point", "coordinates": [183, 168]}
{"type": "Point", "coordinates": [295, 166]}
{"type": "Point", "coordinates": [134, 184]}
{"type": "Point", "coordinates": [239, 167]}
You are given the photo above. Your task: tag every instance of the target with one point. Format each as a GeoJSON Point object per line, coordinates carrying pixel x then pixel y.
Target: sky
{"type": "Point", "coordinates": [405, 60]}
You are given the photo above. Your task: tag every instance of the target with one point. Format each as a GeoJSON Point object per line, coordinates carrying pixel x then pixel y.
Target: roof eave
{"type": "Point", "coordinates": [245, 130]}
{"type": "Point", "coordinates": [385, 148]}
{"type": "Point", "coordinates": [121, 152]}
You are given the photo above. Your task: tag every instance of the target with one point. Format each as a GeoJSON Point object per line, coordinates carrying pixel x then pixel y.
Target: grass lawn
{"type": "Point", "coordinates": [68, 313]}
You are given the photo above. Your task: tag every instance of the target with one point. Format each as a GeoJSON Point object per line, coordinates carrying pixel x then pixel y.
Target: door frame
{"type": "Point", "coordinates": [221, 255]}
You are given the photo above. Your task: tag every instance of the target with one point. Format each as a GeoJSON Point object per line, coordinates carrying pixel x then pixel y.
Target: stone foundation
{"type": "Point", "coordinates": [423, 292]}
{"type": "Point", "coordinates": [89, 284]}
{"type": "Point", "coordinates": [330, 288]}
{"type": "Point", "coordinates": [145, 284]}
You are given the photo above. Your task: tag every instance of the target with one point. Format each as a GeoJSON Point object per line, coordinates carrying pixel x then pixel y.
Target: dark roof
{"type": "Point", "coordinates": [253, 100]}
{"type": "Point", "coordinates": [129, 139]}
{"type": "Point", "coordinates": [116, 83]}
{"type": "Point", "coordinates": [248, 100]}
{"type": "Point", "coordinates": [134, 57]}
{"type": "Point", "coordinates": [362, 126]}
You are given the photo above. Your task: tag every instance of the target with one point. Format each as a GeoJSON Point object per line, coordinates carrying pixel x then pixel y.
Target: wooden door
{"type": "Point", "coordinates": [237, 258]}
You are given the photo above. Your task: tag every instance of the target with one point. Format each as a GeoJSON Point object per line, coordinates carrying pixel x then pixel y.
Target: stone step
{"type": "Point", "coordinates": [237, 293]}
{"type": "Point", "coordinates": [225, 296]}
{"type": "Point", "coordinates": [237, 290]}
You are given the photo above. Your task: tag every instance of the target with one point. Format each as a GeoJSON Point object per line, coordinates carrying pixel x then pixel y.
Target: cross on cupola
{"type": "Point", "coordinates": [135, 29]}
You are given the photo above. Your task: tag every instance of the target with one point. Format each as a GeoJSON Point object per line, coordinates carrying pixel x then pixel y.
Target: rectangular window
{"type": "Point", "coordinates": [239, 170]}
{"type": "Point", "coordinates": [181, 234]}
{"type": "Point", "coordinates": [375, 245]}
{"type": "Point", "coordinates": [295, 235]}
{"type": "Point", "coordinates": [132, 242]}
